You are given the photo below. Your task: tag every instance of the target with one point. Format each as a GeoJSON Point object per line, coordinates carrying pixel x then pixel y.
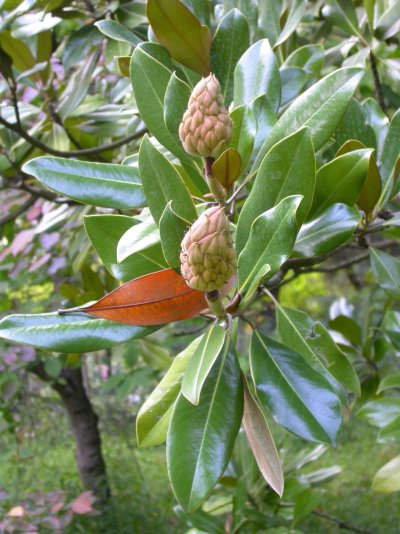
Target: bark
{"type": "Point", "coordinates": [84, 422]}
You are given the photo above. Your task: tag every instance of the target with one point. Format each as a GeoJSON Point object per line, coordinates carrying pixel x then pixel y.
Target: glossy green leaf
{"type": "Point", "coordinates": [265, 119]}
{"type": "Point", "coordinates": [340, 180]}
{"type": "Point", "coordinates": [154, 416]}
{"type": "Point", "coordinates": [293, 79]}
{"type": "Point", "coordinates": [181, 33]}
{"type": "Point", "coordinates": [176, 100]}
{"type": "Point", "coordinates": [162, 183]}
{"type": "Point", "coordinates": [390, 381]}
{"type": "Point", "coordinates": [320, 108]}
{"type": "Point", "coordinates": [105, 232]}
{"type": "Point", "coordinates": [310, 58]}
{"type": "Point", "coordinates": [372, 188]}
{"type": "Point", "coordinates": [299, 398]}
{"type": "Point", "coordinates": [107, 185]}
{"type": "Point", "coordinates": [331, 229]}
{"type": "Point", "coordinates": [388, 24]}
{"type": "Point", "coordinates": [378, 121]}
{"type": "Point", "coordinates": [387, 479]}
{"type": "Point", "coordinates": [67, 333]}
{"type": "Point", "coordinates": [230, 41]}
{"type": "Point", "coordinates": [271, 241]}
{"type": "Point", "coordinates": [254, 285]}
{"type": "Point", "coordinates": [172, 231]}
{"type": "Point", "coordinates": [137, 238]}
{"type": "Point", "coordinates": [390, 154]}
{"type": "Point", "coordinates": [386, 271]}
{"type": "Point", "coordinates": [117, 31]}
{"type": "Point", "coordinates": [227, 167]}
{"type": "Point", "coordinates": [257, 74]}
{"type": "Point", "coordinates": [201, 438]}
{"type": "Point", "coordinates": [78, 86]}
{"type": "Point", "coordinates": [262, 443]}
{"type": "Point", "coordinates": [343, 14]}
{"type": "Point", "coordinates": [19, 52]}
{"type": "Point", "coordinates": [312, 341]}
{"type": "Point", "coordinates": [355, 126]}
{"type": "Point", "coordinates": [294, 17]}
{"type": "Point", "coordinates": [381, 412]}
{"type": "Point", "coordinates": [151, 70]}
{"type": "Point", "coordinates": [244, 132]}
{"type": "Point", "coordinates": [288, 169]}
{"type": "Point", "coordinates": [202, 362]}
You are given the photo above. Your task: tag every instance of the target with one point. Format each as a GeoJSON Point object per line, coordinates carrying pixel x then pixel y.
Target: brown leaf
{"type": "Point", "coordinates": [83, 503]}
{"type": "Point", "coordinates": [226, 168]}
{"type": "Point", "coordinates": [262, 443]}
{"type": "Point", "coordinates": [153, 299]}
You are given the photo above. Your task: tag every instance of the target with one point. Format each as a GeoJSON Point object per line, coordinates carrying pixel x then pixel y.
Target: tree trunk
{"type": "Point", "coordinates": [84, 421]}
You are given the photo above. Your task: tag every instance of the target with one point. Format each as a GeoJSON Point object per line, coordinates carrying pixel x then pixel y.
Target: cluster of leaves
{"type": "Point", "coordinates": [311, 175]}
{"type": "Point", "coordinates": [44, 511]}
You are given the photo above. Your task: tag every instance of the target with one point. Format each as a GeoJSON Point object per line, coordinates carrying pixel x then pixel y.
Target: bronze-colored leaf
{"type": "Point", "coordinates": [153, 299]}
{"type": "Point", "coordinates": [262, 443]}
{"type": "Point", "coordinates": [181, 33]}
{"type": "Point", "coordinates": [226, 168]}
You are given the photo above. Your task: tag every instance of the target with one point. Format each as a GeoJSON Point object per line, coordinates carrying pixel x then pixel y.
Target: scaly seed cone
{"type": "Point", "coordinates": [206, 127]}
{"type": "Point", "coordinates": [207, 256]}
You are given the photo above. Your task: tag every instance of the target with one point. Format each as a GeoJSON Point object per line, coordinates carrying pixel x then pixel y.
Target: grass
{"type": "Point", "coordinates": [143, 501]}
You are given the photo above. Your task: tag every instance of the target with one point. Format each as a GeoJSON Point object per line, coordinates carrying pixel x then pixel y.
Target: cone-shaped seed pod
{"type": "Point", "coordinates": [206, 127]}
{"type": "Point", "coordinates": [207, 256]}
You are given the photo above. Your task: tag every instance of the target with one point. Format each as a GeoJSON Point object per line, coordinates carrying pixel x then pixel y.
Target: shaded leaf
{"type": "Point", "coordinates": [181, 33]}
{"type": "Point", "coordinates": [226, 168]}
{"type": "Point", "coordinates": [172, 231]}
{"type": "Point", "coordinates": [262, 443]}
{"type": "Point", "coordinates": [294, 17]}
{"type": "Point", "coordinates": [154, 416]}
{"type": "Point", "coordinates": [386, 270]}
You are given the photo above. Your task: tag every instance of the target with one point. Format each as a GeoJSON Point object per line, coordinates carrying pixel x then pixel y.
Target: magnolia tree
{"type": "Point", "coordinates": [266, 157]}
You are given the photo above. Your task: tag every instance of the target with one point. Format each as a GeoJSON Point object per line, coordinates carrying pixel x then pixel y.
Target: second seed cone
{"type": "Point", "coordinates": [206, 127]}
{"type": "Point", "coordinates": [208, 257]}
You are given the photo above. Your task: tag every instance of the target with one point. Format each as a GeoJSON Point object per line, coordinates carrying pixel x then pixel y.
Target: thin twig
{"type": "Point", "coordinates": [69, 153]}
{"type": "Point", "coordinates": [17, 212]}
{"type": "Point", "coordinates": [340, 523]}
{"type": "Point", "coordinates": [377, 82]}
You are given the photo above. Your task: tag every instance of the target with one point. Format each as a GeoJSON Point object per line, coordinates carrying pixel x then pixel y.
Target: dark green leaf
{"type": "Point", "coordinates": [105, 232]}
{"type": "Point", "coordinates": [67, 333]}
{"type": "Point", "coordinates": [271, 241]}
{"type": "Point", "coordinates": [299, 398]}
{"type": "Point", "coordinates": [340, 180]}
{"type": "Point", "coordinates": [343, 14]}
{"type": "Point", "coordinates": [288, 169]}
{"type": "Point", "coordinates": [172, 230]}
{"type": "Point", "coordinates": [293, 79]}
{"type": "Point", "coordinates": [388, 23]}
{"type": "Point", "coordinates": [162, 183]}
{"type": "Point", "coordinates": [107, 185]}
{"type": "Point", "coordinates": [334, 227]}
{"type": "Point", "coordinates": [310, 58]}
{"type": "Point", "coordinates": [230, 41]}
{"type": "Point", "coordinates": [390, 154]}
{"type": "Point", "coordinates": [386, 270]}
{"type": "Point", "coordinates": [176, 100]}
{"type": "Point", "coordinates": [312, 341]}
{"type": "Point", "coordinates": [257, 74]}
{"type": "Point", "coordinates": [294, 17]}
{"type": "Point", "coordinates": [390, 381]}
{"type": "Point", "coordinates": [354, 125]}
{"type": "Point", "coordinates": [244, 131]}
{"type": "Point", "coordinates": [201, 438]}
{"type": "Point", "coordinates": [320, 108]}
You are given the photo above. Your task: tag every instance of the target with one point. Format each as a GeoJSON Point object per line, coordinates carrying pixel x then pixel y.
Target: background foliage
{"type": "Point", "coordinates": [72, 228]}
